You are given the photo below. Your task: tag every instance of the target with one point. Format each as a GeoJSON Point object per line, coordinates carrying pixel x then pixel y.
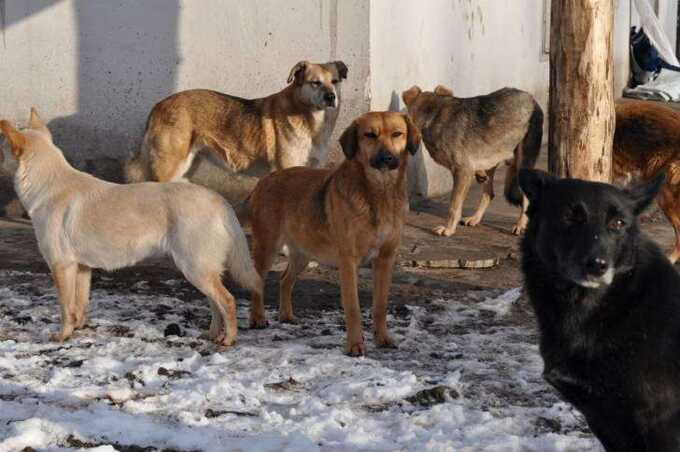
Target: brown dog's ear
{"type": "Point", "coordinates": [410, 94]}
{"type": "Point", "coordinates": [349, 141]}
{"type": "Point", "coordinates": [17, 141]}
{"type": "Point", "coordinates": [36, 123]}
{"type": "Point", "coordinates": [297, 72]}
{"type": "Point", "coordinates": [413, 140]}
{"type": "Point", "coordinates": [442, 90]}
{"type": "Point", "coordinates": [342, 69]}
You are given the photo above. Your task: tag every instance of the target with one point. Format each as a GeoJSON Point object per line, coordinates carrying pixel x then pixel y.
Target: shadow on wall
{"type": "Point", "coordinates": [127, 60]}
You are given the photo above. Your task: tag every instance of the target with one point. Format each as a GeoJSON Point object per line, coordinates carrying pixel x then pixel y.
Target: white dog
{"type": "Point", "coordinates": [82, 222]}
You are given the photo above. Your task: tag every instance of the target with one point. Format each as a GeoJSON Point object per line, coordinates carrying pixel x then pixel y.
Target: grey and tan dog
{"type": "Point", "coordinates": [472, 136]}
{"type": "Point", "coordinates": [288, 128]}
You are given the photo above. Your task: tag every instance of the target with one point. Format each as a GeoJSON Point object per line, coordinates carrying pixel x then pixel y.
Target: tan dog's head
{"type": "Point", "coordinates": [422, 105]}
{"type": "Point", "coordinates": [318, 84]}
{"type": "Point", "coordinates": [31, 139]}
{"type": "Point", "coordinates": [381, 141]}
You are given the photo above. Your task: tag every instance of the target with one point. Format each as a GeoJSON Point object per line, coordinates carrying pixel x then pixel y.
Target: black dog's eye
{"type": "Point", "coordinates": [335, 82]}
{"type": "Point", "coordinates": [574, 215]}
{"type": "Point", "coordinates": [397, 134]}
{"type": "Point", "coordinates": [616, 224]}
{"type": "Point", "coordinates": [370, 135]}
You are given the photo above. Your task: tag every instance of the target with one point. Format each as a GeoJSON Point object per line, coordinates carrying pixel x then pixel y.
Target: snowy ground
{"type": "Point", "coordinates": [123, 384]}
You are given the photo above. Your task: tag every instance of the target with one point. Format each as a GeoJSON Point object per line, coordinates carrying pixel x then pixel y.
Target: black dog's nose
{"type": "Point", "coordinates": [329, 97]}
{"type": "Point", "coordinates": [597, 266]}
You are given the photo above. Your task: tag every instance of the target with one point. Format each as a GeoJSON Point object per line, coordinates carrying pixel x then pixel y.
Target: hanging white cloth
{"type": "Point", "coordinates": [666, 87]}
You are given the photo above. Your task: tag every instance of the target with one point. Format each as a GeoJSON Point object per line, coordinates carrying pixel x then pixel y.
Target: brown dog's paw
{"type": "Point", "coordinates": [225, 341]}
{"type": "Point", "coordinates": [385, 342]}
{"type": "Point", "coordinates": [288, 318]}
{"type": "Point", "coordinates": [518, 230]}
{"type": "Point", "coordinates": [444, 231]}
{"type": "Point", "coordinates": [358, 349]}
{"type": "Point", "coordinates": [470, 221]}
{"type": "Point", "coordinates": [258, 323]}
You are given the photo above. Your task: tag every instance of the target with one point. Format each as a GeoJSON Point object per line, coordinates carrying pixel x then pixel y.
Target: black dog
{"type": "Point", "coordinates": [608, 307]}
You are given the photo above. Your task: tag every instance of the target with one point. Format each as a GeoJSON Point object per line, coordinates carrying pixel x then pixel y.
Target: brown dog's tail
{"type": "Point", "coordinates": [526, 155]}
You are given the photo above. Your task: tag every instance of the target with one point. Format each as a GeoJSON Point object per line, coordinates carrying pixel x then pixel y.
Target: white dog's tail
{"type": "Point", "coordinates": [239, 263]}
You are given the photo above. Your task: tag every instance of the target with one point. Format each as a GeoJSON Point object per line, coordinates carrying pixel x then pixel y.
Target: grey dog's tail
{"type": "Point", "coordinates": [526, 155]}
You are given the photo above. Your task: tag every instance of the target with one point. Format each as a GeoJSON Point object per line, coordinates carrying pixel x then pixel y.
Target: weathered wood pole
{"type": "Point", "coordinates": [581, 112]}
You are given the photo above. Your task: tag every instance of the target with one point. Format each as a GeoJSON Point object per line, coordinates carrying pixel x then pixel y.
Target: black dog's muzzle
{"type": "Point", "coordinates": [385, 161]}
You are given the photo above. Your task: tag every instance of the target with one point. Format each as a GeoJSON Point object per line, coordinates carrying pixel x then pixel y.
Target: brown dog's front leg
{"type": "Point", "coordinates": [64, 276]}
{"type": "Point", "coordinates": [350, 304]}
{"type": "Point", "coordinates": [382, 279]}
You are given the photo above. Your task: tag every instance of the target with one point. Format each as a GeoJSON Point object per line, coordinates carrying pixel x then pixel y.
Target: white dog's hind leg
{"type": "Point", "coordinates": [82, 298]}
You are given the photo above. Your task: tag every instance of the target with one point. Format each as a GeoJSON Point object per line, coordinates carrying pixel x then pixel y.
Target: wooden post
{"type": "Point", "coordinates": [581, 109]}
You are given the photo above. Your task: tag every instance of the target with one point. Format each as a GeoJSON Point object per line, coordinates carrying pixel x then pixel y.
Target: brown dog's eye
{"type": "Point", "coordinates": [616, 224]}
{"type": "Point", "coordinates": [335, 82]}
{"type": "Point", "coordinates": [397, 134]}
{"type": "Point", "coordinates": [316, 83]}
{"type": "Point", "coordinates": [370, 135]}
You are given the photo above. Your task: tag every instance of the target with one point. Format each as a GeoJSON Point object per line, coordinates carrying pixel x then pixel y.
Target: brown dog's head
{"type": "Point", "coordinates": [422, 105]}
{"type": "Point", "coordinates": [21, 143]}
{"type": "Point", "coordinates": [318, 84]}
{"type": "Point", "coordinates": [381, 141]}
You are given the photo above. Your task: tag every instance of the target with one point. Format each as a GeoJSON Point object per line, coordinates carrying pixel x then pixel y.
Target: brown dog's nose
{"type": "Point", "coordinates": [330, 98]}
{"type": "Point", "coordinates": [385, 159]}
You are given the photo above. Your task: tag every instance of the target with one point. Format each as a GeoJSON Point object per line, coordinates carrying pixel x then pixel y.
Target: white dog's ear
{"type": "Point", "coordinates": [17, 141]}
{"type": "Point", "coordinates": [297, 73]}
{"type": "Point", "coordinates": [36, 123]}
{"type": "Point", "coordinates": [533, 182]}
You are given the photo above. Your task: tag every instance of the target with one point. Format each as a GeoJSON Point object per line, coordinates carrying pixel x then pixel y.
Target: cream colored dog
{"type": "Point", "coordinates": [82, 223]}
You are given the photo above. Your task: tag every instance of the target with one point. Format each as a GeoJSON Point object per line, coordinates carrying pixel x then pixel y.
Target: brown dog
{"type": "Point", "coordinates": [472, 136]}
{"type": "Point", "coordinates": [341, 217]}
{"type": "Point", "coordinates": [647, 142]}
{"type": "Point", "coordinates": [289, 128]}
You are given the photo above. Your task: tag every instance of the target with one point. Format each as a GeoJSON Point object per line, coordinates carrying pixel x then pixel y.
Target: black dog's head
{"type": "Point", "coordinates": [585, 232]}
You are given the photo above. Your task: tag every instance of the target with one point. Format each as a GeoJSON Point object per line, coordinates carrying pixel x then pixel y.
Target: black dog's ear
{"type": "Point", "coordinates": [533, 182]}
{"type": "Point", "coordinates": [297, 72]}
{"type": "Point", "coordinates": [413, 139]}
{"type": "Point", "coordinates": [642, 195]}
{"type": "Point", "coordinates": [342, 69]}
{"type": "Point", "coordinates": [349, 141]}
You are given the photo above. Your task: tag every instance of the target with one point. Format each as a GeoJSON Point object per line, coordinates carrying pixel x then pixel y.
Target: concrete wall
{"type": "Point", "coordinates": [474, 47]}
{"type": "Point", "coordinates": [96, 68]}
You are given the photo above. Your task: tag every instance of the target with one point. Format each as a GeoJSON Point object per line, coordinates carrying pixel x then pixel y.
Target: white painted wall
{"type": "Point", "coordinates": [474, 47]}
{"type": "Point", "coordinates": [96, 68]}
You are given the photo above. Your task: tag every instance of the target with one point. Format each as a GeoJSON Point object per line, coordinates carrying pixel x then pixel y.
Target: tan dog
{"type": "Point", "coordinates": [289, 128]}
{"type": "Point", "coordinates": [340, 217]}
{"type": "Point", "coordinates": [646, 143]}
{"type": "Point", "coordinates": [82, 223]}
{"type": "Point", "coordinates": [472, 136]}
